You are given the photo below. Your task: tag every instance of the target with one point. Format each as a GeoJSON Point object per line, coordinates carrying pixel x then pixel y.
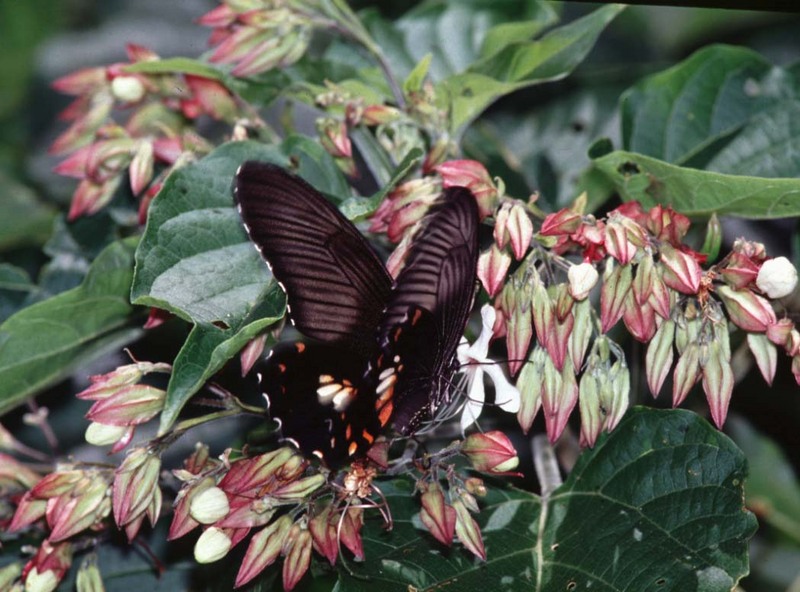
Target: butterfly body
{"type": "Point", "coordinates": [381, 353]}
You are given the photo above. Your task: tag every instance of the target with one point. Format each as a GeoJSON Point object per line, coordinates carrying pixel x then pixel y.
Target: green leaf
{"type": "Point", "coordinates": [656, 505]}
{"type": "Point", "coordinates": [23, 219]}
{"type": "Point", "coordinates": [724, 109]}
{"type": "Point", "coordinates": [524, 64]}
{"type": "Point", "coordinates": [773, 490]}
{"type": "Point", "coordinates": [15, 288]}
{"type": "Point", "coordinates": [47, 341]}
{"type": "Point", "coordinates": [196, 261]}
{"type": "Point", "coordinates": [698, 193]}
{"type": "Point", "coordinates": [413, 83]}
{"type": "Point", "coordinates": [547, 148]}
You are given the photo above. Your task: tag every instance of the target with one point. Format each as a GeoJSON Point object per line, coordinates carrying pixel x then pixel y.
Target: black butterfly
{"type": "Point", "coordinates": [382, 353]}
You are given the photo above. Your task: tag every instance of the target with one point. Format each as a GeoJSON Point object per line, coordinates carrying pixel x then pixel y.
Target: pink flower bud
{"type": "Point", "coordinates": [264, 548]}
{"type": "Point", "coordinates": [616, 241]}
{"type": "Point", "coordinates": [438, 517]}
{"type": "Point", "coordinates": [490, 452]}
{"type": "Point", "coordinates": [141, 167]}
{"type": "Point", "coordinates": [658, 361]}
{"type": "Point", "coordinates": [519, 328]}
{"type": "Point", "coordinates": [617, 281]}
{"type": "Point", "coordinates": [640, 319]}
{"type": "Point", "coordinates": [558, 340]}
{"type": "Point", "coordinates": [796, 368]}
{"type": "Point", "coordinates": [563, 222]}
{"type": "Point", "coordinates": [131, 405]}
{"type": "Point", "coordinates": [135, 482]}
{"type": "Point", "coordinates": [739, 272]}
{"type": "Point", "coordinates": [717, 383]}
{"type": "Point", "coordinates": [300, 488]}
{"type": "Point", "coordinates": [559, 398]}
{"type": "Point", "coordinates": [212, 96]}
{"type": "Point", "coordinates": [468, 531]}
{"type": "Point", "coordinates": [530, 386]}
{"type": "Point", "coordinates": [746, 310]}
{"type": "Point", "coordinates": [474, 176]}
{"type": "Point", "coordinates": [681, 271]}
{"type": "Point", "coordinates": [323, 534]}
{"type": "Point", "coordinates": [513, 224]}
{"type": "Point", "coordinates": [298, 558]}
{"type": "Point", "coordinates": [350, 532]}
{"type": "Point", "coordinates": [81, 82]}
{"type": "Point", "coordinates": [581, 333]}
{"type": "Point", "coordinates": [492, 268]}
{"type": "Point", "coordinates": [765, 353]}
{"type": "Point", "coordinates": [48, 567]}
{"type": "Point", "coordinates": [779, 331]}
{"type": "Point", "coordinates": [687, 372]}
{"type": "Point", "coordinates": [334, 138]}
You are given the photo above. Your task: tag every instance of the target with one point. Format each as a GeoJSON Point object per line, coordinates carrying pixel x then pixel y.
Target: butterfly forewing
{"type": "Point", "coordinates": [427, 312]}
{"type": "Point", "coordinates": [336, 285]}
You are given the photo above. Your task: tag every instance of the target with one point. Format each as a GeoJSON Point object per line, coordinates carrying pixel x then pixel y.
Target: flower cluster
{"type": "Point", "coordinates": [651, 280]}
{"type": "Point", "coordinates": [99, 150]}
{"type": "Point", "coordinates": [121, 403]}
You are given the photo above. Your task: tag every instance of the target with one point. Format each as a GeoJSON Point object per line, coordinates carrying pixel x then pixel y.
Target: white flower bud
{"type": "Point", "coordinates": [777, 277]}
{"type": "Point", "coordinates": [128, 89]}
{"type": "Point", "coordinates": [209, 505]}
{"type": "Point", "coordinates": [212, 546]}
{"type": "Point", "coordinates": [100, 434]}
{"type": "Point", "coordinates": [582, 278]}
{"type": "Point", "coordinates": [41, 582]}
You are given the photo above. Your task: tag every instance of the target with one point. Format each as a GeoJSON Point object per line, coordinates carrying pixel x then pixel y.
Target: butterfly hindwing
{"type": "Point", "coordinates": [318, 394]}
{"type": "Point", "coordinates": [336, 285]}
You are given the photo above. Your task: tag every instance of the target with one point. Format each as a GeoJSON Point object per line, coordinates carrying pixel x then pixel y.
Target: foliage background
{"type": "Point", "coordinates": [547, 131]}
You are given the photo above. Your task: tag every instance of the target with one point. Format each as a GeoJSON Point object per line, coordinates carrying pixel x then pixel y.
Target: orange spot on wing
{"type": "Point", "coordinates": [417, 316]}
{"type": "Point", "coordinates": [351, 450]}
{"type": "Point", "coordinates": [348, 431]}
{"type": "Point", "coordinates": [281, 368]}
{"type": "Point", "coordinates": [385, 413]}
{"type": "Point", "coordinates": [301, 347]}
{"type": "Point", "coordinates": [367, 436]}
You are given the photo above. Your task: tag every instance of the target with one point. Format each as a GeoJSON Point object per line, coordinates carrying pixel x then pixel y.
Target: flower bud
{"type": "Point", "coordinates": [530, 385]}
{"type": "Point", "coordinates": [298, 558]}
{"type": "Point", "coordinates": [437, 516]}
{"type": "Point", "coordinates": [658, 360]}
{"type": "Point", "coordinates": [591, 415]}
{"type": "Point", "coordinates": [581, 333]}
{"type": "Point", "coordinates": [209, 505]}
{"type": "Point", "coordinates": [687, 371]}
{"type": "Point", "coordinates": [128, 89]}
{"type": "Point", "coordinates": [88, 579]}
{"type": "Point", "coordinates": [513, 224]}
{"type": "Point", "coordinates": [617, 281]}
{"type": "Point", "coordinates": [490, 452]}
{"type": "Point", "coordinates": [264, 548]}
{"type": "Point", "coordinates": [739, 272]}
{"type": "Point", "coordinates": [582, 278]}
{"type": "Point", "coordinates": [468, 531]}
{"type": "Point", "coordinates": [765, 353]}
{"type": "Point", "coordinates": [713, 239]}
{"type": "Point", "coordinates": [492, 268]}
{"type": "Point", "coordinates": [100, 434]}
{"type": "Point", "coordinates": [563, 222]}
{"type": "Point", "coordinates": [301, 488]}
{"type": "Point", "coordinates": [212, 545]}
{"type": "Point", "coordinates": [779, 332]}
{"type": "Point", "coordinates": [746, 310]}
{"type": "Point", "coordinates": [777, 277]}
{"type": "Point", "coordinates": [717, 383]}
{"type": "Point", "coordinates": [681, 271]}
{"type": "Point", "coordinates": [640, 319]}
{"type": "Point", "coordinates": [474, 176]}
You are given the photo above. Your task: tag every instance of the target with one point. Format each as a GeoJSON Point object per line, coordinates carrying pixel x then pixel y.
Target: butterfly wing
{"type": "Point", "coordinates": [336, 285]}
{"type": "Point", "coordinates": [317, 393]}
{"type": "Point", "coordinates": [427, 312]}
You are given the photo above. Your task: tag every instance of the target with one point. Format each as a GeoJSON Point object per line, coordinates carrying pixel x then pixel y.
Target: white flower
{"type": "Point", "coordinates": [582, 278]}
{"type": "Point", "coordinates": [128, 88]}
{"type": "Point", "coordinates": [474, 363]}
{"type": "Point", "coordinates": [212, 546]}
{"type": "Point", "coordinates": [777, 277]}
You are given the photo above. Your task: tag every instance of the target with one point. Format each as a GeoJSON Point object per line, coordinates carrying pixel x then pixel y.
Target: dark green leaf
{"type": "Point", "coordinates": [677, 113]}
{"type": "Point", "coordinates": [45, 342]}
{"type": "Point", "coordinates": [698, 193]}
{"type": "Point", "coordinates": [656, 505]}
{"type": "Point", "coordinates": [15, 288]}
{"type": "Point", "coordinates": [524, 64]}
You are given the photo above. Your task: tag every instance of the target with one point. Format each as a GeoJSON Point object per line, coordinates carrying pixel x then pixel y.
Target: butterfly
{"type": "Point", "coordinates": [380, 354]}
